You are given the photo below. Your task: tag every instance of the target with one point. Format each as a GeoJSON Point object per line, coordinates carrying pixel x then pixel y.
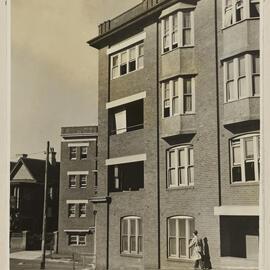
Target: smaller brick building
{"type": "Point", "coordinates": [78, 182]}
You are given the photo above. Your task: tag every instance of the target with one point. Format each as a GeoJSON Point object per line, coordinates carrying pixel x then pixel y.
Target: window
{"type": "Point", "coordinates": [239, 10]}
{"type": "Point", "coordinates": [77, 239]}
{"type": "Point", "coordinates": [126, 118]}
{"type": "Point", "coordinates": [83, 181]}
{"type": "Point", "coordinates": [127, 61]}
{"type": "Point", "coordinates": [126, 177]}
{"type": "Point", "coordinates": [72, 181]}
{"type": "Point", "coordinates": [71, 210]}
{"type": "Point", "coordinates": [180, 229]}
{"type": "Point", "coordinates": [245, 158]}
{"type": "Point", "coordinates": [72, 152]}
{"type": "Point", "coordinates": [83, 152]}
{"type": "Point", "coordinates": [242, 77]}
{"type": "Point", "coordinates": [177, 30]}
{"type": "Point", "coordinates": [51, 193]}
{"type": "Point", "coordinates": [180, 166]}
{"type": "Point", "coordinates": [82, 210]}
{"type": "Point", "coordinates": [131, 235]}
{"type": "Point", "coordinates": [178, 96]}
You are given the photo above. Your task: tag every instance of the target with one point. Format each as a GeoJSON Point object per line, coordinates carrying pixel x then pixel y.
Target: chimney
{"type": "Point", "coordinates": [24, 155]}
{"type": "Point", "coordinates": [53, 158]}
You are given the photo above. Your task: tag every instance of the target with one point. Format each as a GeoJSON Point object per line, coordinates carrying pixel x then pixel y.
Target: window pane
{"type": "Point", "coordinates": [181, 157]}
{"type": "Point", "coordinates": [124, 243]}
{"type": "Point", "coordinates": [172, 180]}
{"type": "Point", "coordinates": [230, 91]}
{"type": "Point", "coordinates": [166, 91]}
{"type": "Point", "coordinates": [242, 66]}
{"type": "Point", "coordinates": [132, 53]}
{"type": "Point", "coordinates": [172, 246]}
{"type": "Point", "coordinates": [250, 172]}
{"type": "Point", "coordinates": [175, 88]}
{"type": "Point", "coordinates": [123, 69]}
{"type": "Point", "coordinates": [181, 175]}
{"type": "Point", "coordinates": [172, 227]}
{"type": "Point", "coordinates": [182, 247]}
{"type": "Point", "coordinates": [141, 50]}
{"type": "Point", "coordinates": [187, 103]}
{"type": "Point", "coordinates": [123, 57]}
{"type": "Point", "coordinates": [132, 243]}
{"type": "Point", "coordinates": [166, 25]}
{"type": "Point", "coordinates": [254, 9]}
{"type": "Point", "coordinates": [239, 10]}
{"type": "Point", "coordinates": [236, 155]}
{"type": "Point", "coordinates": [191, 175]}
{"type": "Point", "coordinates": [172, 159]}
{"type": "Point", "coordinates": [140, 62]}
{"type": "Point", "coordinates": [115, 61]}
{"type": "Point", "coordinates": [182, 227]}
{"type": "Point", "coordinates": [140, 244]}
{"type": "Point", "coordinates": [191, 161]}
{"type": "Point", "coordinates": [133, 226]}
{"type": "Point", "coordinates": [124, 226]}
{"type": "Point", "coordinates": [114, 72]}
{"type": "Point", "coordinates": [186, 37]}
{"type": "Point", "coordinates": [186, 20]}
{"type": "Point", "coordinates": [255, 64]}
{"type": "Point", "coordinates": [175, 22]}
{"type": "Point", "coordinates": [228, 16]}
{"type": "Point", "coordinates": [242, 87]}
{"type": "Point", "coordinates": [187, 86]}
{"type": "Point", "coordinates": [175, 106]}
{"type": "Point", "coordinates": [236, 174]}
{"type": "Point", "coordinates": [256, 84]}
{"type": "Point", "coordinates": [139, 226]}
{"type": "Point", "coordinates": [166, 112]}
{"type": "Point", "coordinates": [230, 70]}
{"type": "Point", "coordinates": [249, 149]}
{"type": "Point", "coordinates": [132, 66]}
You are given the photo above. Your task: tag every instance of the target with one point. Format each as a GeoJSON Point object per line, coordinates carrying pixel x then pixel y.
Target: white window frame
{"type": "Point", "coordinates": [82, 210]}
{"type": "Point", "coordinates": [73, 152]}
{"type": "Point", "coordinates": [127, 51]}
{"type": "Point", "coordinates": [71, 210]}
{"type": "Point", "coordinates": [83, 152]}
{"type": "Point", "coordinates": [83, 184]}
{"type": "Point", "coordinates": [72, 178]}
{"type": "Point", "coordinates": [128, 235]}
{"type": "Point", "coordinates": [76, 239]}
{"type": "Point", "coordinates": [233, 9]}
{"type": "Point", "coordinates": [240, 142]}
{"type": "Point", "coordinates": [180, 91]}
{"type": "Point", "coordinates": [188, 236]}
{"type": "Point", "coordinates": [188, 166]}
{"type": "Point", "coordinates": [180, 29]}
{"type": "Point", "coordinates": [248, 58]}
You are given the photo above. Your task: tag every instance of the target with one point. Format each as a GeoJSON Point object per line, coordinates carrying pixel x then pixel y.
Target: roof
{"type": "Point", "coordinates": [131, 18]}
{"type": "Point", "coordinates": [12, 165]}
{"type": "Point", "coordinates": [36, 167]}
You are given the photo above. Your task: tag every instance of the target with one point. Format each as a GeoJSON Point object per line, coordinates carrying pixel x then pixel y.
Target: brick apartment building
{"type": "Point", "coordinates": [178, 134]}
{"type": "Point", "coordinates": [78, 181]}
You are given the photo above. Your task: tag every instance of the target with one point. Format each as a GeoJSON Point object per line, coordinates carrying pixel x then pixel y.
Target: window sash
{"type": "Point", "coordinates": [178, 243]}
{"type": "Point", "coordinates": [82, 210]}
{"type": "Point", "coordinates": [180, 172]}
{"type": "Point", "coordinates": [72, 152]}
{"type": "Point", "coordinates": [131, 241]}
{"type": "Point", "coordinates": [247, 168]}
{"type": "Point", "coordinates": [72, 181]}
{"type": "Point", "coordinates": [71, 210]}
{"type": "Point", "coordinates": [83, 181]}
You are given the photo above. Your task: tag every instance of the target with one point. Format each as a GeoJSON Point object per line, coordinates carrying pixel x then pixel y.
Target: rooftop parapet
{"type": "Point", "coordinates": [81, 131]}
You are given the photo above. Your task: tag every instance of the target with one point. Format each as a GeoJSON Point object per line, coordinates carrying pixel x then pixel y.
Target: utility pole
{"type": "Point", "coordinates": [42, 264]}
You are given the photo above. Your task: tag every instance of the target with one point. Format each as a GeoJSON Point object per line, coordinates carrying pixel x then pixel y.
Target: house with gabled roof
{"type": "Point", "coordinates": [27, 193]}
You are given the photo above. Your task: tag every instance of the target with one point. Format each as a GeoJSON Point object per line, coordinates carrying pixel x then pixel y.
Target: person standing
{"type": "Point", "coordinates": [196, 243]}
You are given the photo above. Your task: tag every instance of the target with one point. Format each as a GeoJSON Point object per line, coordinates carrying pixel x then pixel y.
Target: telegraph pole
{"type": "Point", "coordinates": [42, 264]}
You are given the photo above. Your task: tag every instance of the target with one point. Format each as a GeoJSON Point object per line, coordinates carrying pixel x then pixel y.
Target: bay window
{"type": "Point", "coordinates": [180, 229]}
{"type": "Point", "coordinates": [177, 30]}
{"type": "Point", "coordinates": [180, 166]}
{"type": "Point", "coordinates": [127, 61]}
{"type": "Point", "coordinates": [131, 235]}
{"type": "Point", "coordinates": [241, 77]}
{"type": "Point", "coordinates": [178, 96]}
{"type": "Point", "coordinates": [238, 10]}
{"type": "Point", "coordinates": [245, 158]}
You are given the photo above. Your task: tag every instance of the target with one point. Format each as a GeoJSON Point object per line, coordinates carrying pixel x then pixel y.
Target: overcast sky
{"type": "Point", "coordinates": [53, 70]}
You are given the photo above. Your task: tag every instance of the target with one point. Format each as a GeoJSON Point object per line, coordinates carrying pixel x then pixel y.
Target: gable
{"type": "Point", "coordinates": [23, 174]}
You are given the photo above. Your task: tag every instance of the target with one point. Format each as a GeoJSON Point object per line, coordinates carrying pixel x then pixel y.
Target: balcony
{"type": "Point", "coordinates": [242, 110]}
{"type": "Point", "coordinates": [178, 124]}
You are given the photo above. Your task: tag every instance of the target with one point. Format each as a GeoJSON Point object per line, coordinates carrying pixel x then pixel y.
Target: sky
{"type": "Point", "coordinates": [54, 72]}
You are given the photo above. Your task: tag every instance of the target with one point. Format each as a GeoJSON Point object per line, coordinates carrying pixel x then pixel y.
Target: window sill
{"type": "Point", "coordinates": [251, 183]}
{"type": "Point", "coordinates": [180, 260]}
{"type": "Point", "coordinates": [236, 100]}
{"type": "Point", "coordinates": [233, 24]}
{"type": "Point", "coordinates": [131, 255]}
{"type": "Point", "coordinates": [180, 47]}
{"type": "Point", "coordinates": [180, 188]}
